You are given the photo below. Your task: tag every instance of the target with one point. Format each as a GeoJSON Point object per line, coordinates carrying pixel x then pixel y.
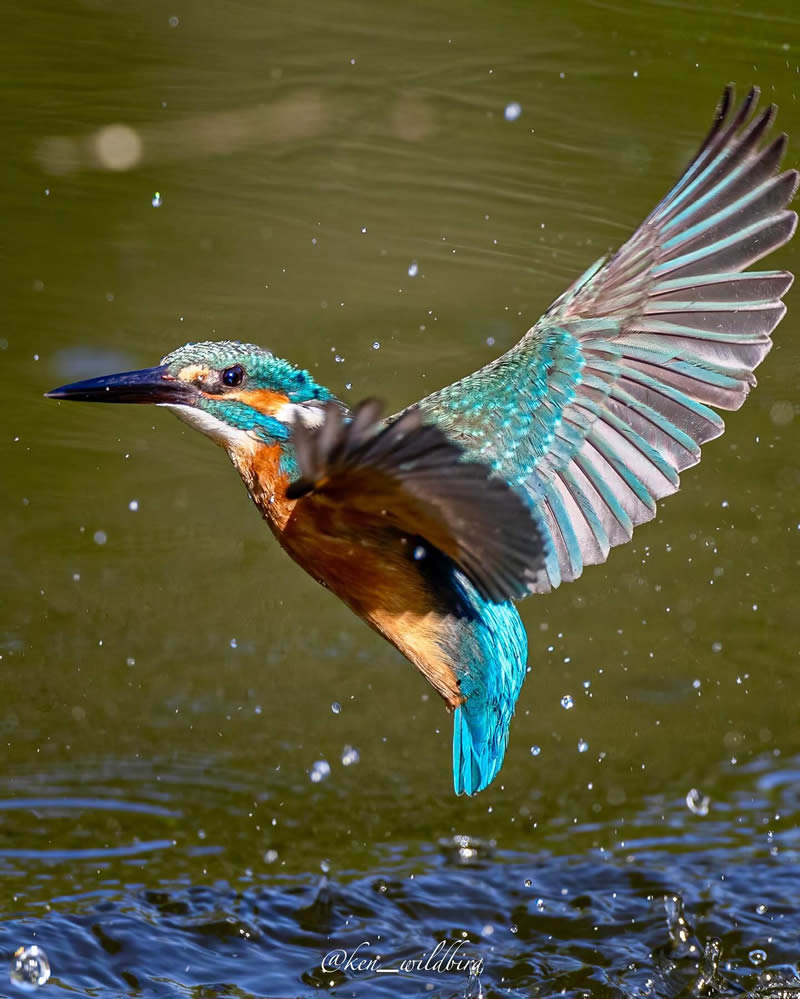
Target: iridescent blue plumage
{"type": "Point", "coordinates": [493, 634]}
{"type": "Point", "coordinates": [606, 399]}
{"type": "Point", "coordinates": [519, 475]}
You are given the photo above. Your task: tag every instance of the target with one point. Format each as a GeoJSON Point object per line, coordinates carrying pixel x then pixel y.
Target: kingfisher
{"type": "Point", "coordinates": [431, 523]}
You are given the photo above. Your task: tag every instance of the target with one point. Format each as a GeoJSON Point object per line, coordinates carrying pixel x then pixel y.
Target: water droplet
{"type": "Point", "coordinates": [363, 230]}
{"type": "Point", "coordinates": [336, 707]}
{"type": "Point", "coordinates": [420, 552]}
{"type": "Point", "coordinates": [567, 702]}
{"type": "Point", "coordinates": [30, 967]}
{"type": "Point", "coordinates": [535, 750]}
{"type": "Point", "coordinates": [133, 506]}
{"type": "Point", "coordinates": [270, 856]}
{"type": "Point", "coordinates": [583, 745]}
{"type": "Point", "coordinates": [130, 661]}
{"type": "Point", "coordinates": [463, 849]}
{"type": "Point", "coordinates": [528, 882]}
{"type": "Point", "coordinates": [350, 755]}
{"type": "Point", "coordinates": [413, 269]}
{"type": "Point", "coordinates": [757, 956]}
{"type": "Point", "coordinates": [100, 537]}
{"type": "Point", "coordinates": [174, 21]}
{"type": "Point", "coordinates": [320, 771]}
{"type": "Point", "coordinates": [782, 413]}
{"type": "Point", "coordinates": [512, 111]}
{"type": "Point", "coordinates": [376, 345]}
{"type": "Point", "coordinates": [234, 643]}
{"type": "Point", "coordinates": [697, 802]}
{"type": "Point", "coordinates": [155, 201]}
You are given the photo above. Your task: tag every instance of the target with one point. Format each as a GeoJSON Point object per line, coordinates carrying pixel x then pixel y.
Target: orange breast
{"type": "Point", "coordinates": [370, 571]}
{"type": "Point", "coordinates": [266, 482]}
{"type": "Point", "coordinates": [375, 578]}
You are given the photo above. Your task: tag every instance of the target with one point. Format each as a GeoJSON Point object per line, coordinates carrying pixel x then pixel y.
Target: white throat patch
{"type": "Point", "coordinates": [231, 438]}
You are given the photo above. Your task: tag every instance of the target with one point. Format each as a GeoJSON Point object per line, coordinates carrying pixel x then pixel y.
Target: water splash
{"type": "Point", "coordinates": [710, 980]}
{"type": "Point", "coordinates": [474, 988]}
{"type": "Point", "coordinates": [682, 939]}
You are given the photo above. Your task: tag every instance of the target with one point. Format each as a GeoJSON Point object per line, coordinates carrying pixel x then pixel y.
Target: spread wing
{"type": "Point", "coordinates": [408, 478]}
{"type": "Point", "coordinates": [608, 397]}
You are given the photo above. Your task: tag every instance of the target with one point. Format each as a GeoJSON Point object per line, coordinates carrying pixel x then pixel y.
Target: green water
{"type": "Point", "coordinates": [287, 168]}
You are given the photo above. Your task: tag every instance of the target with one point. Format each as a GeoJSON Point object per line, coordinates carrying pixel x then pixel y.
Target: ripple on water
{"type": "Point", "coordinates": [565, 918]}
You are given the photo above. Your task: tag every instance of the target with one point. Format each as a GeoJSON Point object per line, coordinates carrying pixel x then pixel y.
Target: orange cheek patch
{"type": "Point", "coordinates": [263, 400]}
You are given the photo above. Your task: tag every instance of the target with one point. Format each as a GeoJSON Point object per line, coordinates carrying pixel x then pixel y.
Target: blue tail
{"type": "Point", "coordinates": [493, 650]}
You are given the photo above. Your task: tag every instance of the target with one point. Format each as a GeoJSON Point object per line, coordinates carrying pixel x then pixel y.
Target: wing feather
{"type": "Point", "coordinates": [409, 478]}
{"type": "Point", "coordinates": [611, 394]}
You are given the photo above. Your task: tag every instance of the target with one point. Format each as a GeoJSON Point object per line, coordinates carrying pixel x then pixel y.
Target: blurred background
{"type": "Point", "coordinates": [212, 773]}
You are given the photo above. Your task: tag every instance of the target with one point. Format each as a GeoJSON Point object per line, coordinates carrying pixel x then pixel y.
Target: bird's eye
{"type": "Point", "coordinates": [233, 376]}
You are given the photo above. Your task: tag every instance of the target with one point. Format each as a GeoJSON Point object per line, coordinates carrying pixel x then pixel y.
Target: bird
{"type": "Point", "coordinates": [430, 524]}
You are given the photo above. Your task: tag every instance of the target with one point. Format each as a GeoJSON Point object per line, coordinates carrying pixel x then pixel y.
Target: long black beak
{"type": "Point", "coordinates": [153, 385]}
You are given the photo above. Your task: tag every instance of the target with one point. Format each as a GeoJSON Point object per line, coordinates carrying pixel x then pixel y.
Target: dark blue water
{"type": "Point", "coordinates": [110, 887]}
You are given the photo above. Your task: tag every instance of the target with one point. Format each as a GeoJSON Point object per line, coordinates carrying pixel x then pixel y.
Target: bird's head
{"type": "Point", "coordinates": [235, 393]}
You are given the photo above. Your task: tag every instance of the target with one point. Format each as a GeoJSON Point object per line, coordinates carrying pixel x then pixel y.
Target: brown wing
{"type": "Point", "coordinates": [410, 477]}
